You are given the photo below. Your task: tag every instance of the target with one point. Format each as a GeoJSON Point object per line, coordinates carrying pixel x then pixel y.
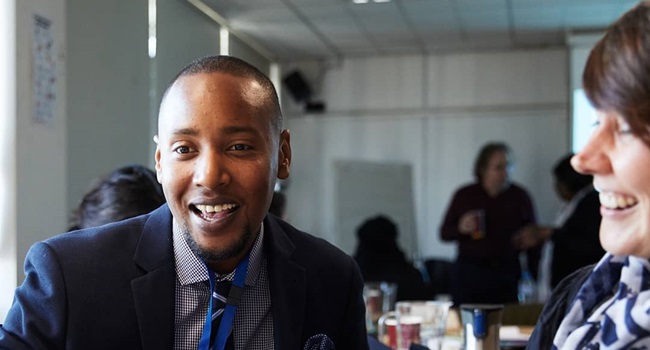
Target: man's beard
{"type": "Point", "coordinates": [229, 252]}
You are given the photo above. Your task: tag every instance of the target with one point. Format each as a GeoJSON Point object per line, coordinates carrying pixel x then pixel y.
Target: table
{"type": "Point", "coordinates": [512, 337]}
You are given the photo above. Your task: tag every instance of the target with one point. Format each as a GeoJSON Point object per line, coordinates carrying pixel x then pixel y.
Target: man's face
{"type": "Point", "coordinates": [218, 157]}
{"type": "Point", "coordinates": [495, 174]}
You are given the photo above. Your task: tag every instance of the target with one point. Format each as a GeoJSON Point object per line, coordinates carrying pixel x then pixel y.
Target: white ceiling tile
{"type": "Point", "coordinates": [524, 38]}
{"type": "Point", "coordinates": [338, 26]}
{"type": "Point", "coordinates": [324, 11]}
{"type": "Point", "coordinates": [371, 10]}
{"type": "Point", "coordinates": [301, 3]}
{"type": "Point", "coordinates": [482, 5]}
{"type": "Point", "coordinates": [594, 14]}
{"type": "Point", "coordinates": [229, 7]}
{"type": "Point", "coordinates": [427, 7]}
{"type": "Point", "coordinates": [404, 24]}
{"type": "Point", "coordinates": [274, 15]}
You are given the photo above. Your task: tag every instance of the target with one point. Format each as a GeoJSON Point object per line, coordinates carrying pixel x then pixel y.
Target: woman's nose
{"type": "Point", "coordinates": [593, 158]}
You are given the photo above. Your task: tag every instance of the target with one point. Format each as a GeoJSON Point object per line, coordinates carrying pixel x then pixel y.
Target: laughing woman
{"type": "Point", "coordinates": [607, 306]}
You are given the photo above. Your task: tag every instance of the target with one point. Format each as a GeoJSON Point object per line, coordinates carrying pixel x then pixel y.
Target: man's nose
{"type": "Point", "coordinates": [211, 171]}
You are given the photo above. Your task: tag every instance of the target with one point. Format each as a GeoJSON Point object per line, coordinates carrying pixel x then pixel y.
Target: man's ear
{"type": "Point", "coordinates": [284, 155]}
{"type": "Point", "coordinates": [157, 159]}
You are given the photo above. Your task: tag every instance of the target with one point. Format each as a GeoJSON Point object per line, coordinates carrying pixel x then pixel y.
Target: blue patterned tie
{"type": "Point", "coordinates": [219, 296]}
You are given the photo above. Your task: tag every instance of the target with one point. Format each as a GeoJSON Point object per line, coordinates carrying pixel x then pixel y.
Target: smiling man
{"type": "Point", "coordinates": [157, 281]}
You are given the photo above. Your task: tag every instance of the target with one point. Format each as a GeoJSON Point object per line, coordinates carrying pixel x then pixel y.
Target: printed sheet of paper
{"type": "Point", "coordinates": [43, 71]}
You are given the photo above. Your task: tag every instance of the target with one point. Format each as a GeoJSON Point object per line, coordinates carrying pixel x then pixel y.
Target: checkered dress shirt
{"type": "Point", "coordinates": [253, 325]}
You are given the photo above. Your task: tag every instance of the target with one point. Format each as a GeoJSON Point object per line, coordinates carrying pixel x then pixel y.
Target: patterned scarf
{"type": "Point", "coordinates": [611, 309]}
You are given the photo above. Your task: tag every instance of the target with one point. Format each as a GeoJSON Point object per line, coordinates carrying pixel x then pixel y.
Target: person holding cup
{"type": "Point", "coordinates": [606, 305]}
{"type": "Point", "coordinates": [483, 217]}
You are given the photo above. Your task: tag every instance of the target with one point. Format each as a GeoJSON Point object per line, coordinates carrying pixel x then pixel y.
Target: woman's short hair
{"type": "Point", "coordinates": [617, 74]}
{"type": "Point", "coordinates": [484, 155]}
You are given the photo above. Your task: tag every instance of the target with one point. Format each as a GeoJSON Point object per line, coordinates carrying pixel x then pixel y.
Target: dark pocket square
{"type": "Point", "coordinates": [319, 342]}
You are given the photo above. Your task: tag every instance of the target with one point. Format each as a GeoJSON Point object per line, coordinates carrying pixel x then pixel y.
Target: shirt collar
{"type": "Point", "coordinates": [191, 269]}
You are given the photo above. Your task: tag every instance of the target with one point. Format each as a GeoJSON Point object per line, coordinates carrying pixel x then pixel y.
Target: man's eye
{"type": "Point", "coordinates": [182, 150]}
{"type": "Point", "coordinates": [240, 147]}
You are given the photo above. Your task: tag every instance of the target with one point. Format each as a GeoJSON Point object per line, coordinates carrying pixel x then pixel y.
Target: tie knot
{"type": "Point", "coordinates": [221, 290]}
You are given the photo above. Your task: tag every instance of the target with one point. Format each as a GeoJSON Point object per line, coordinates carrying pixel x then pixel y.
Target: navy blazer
{"type": "Point", "coordinates": [112, 287]}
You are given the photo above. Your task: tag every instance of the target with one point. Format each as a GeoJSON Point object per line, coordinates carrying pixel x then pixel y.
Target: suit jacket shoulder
{"type": "Point", "coordinates": [316, 289]}
{"type": "Point", "coordinates": [102, 288]}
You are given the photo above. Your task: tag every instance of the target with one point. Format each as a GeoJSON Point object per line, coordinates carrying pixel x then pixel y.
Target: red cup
{"type": "Point", "coordinates": [479, 217]}
{"type": "Point", "coordinates": [409, 333]}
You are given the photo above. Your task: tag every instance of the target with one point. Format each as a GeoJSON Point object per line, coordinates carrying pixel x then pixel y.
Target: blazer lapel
{"type": "Point", "coordinates": [154, 292]}
{"type": "Point", "coordinates": [287, 281]}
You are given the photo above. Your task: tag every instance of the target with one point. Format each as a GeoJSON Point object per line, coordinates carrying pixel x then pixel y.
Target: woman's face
{"type": "Point", "coordinates": [620, 164]}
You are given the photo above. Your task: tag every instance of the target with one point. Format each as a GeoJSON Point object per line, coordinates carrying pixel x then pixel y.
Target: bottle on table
{"type": "Point", "coordinates": [527, 292]}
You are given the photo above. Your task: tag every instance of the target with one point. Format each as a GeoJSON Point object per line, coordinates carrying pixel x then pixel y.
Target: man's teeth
{"type": "Point", "coordinates": [614, 201]}
{"type": "Point", "coordinates": [214, 208]}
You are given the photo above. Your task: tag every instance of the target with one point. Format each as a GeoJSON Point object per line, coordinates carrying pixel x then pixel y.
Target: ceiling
{"type": "Point", "coordinates": [294, 30]}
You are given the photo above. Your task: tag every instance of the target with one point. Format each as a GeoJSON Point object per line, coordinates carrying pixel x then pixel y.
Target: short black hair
{"type": "Point", "coordinates": [573, 180]}
{"type": "Point", "coordinates": [376, 228]}
{"type": "Point", "coordinates": [235, 67]}
{"type": "Point", "coordinates": [126, 192]}
{"type": "Point", "coordinates": [278, 203]}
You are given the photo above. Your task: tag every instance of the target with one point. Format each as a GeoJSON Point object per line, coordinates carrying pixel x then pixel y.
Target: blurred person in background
{"type": "Point", "coordinates": [573, 240]}
{"type": "Point", "coordinates": [126, 192]}
{"type": "Point", "coordinates": [279, 205]}
{"type": "Point", "coordinates": [483, 217]}
{"type": "Point", "coordinates": [381, 260]}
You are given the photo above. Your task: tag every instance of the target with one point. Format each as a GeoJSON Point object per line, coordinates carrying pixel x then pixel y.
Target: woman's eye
{"type": "Point", "coordinates": [624, 128]}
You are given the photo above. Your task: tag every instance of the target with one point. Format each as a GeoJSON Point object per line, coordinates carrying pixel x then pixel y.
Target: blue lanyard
{"type": "Point", "coordinates": [229, 312]}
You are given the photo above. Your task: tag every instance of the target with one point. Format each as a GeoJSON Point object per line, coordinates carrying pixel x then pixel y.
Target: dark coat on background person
{"type": "Point", "coordinates": [486, 270]}
{"type": "Point", "coordinates": [113, 287]}
{"type": "Point", "coordinates": [576, 243]}
{"type": "Point", "coordinates": [380, 259]}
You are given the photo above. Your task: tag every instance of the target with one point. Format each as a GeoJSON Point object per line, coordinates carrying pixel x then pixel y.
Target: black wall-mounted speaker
{"type": "Point", "coordinates": [297, 86]}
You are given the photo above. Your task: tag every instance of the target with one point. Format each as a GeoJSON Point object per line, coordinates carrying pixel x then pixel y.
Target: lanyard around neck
{"type": "Point", "coordinates": [229, 312]}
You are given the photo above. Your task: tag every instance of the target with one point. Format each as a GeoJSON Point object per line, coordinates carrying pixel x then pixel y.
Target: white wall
{"type": "Point", "coordinates": [115, 87]}
{"type": "Point", "coordinates": [238, 48]}
{"type": "Point", "coordinates": [432, 112]}
{"type": "Point", "coordinates": [8, 261]}
{"type": "Point", "coordinates": [108, 86]}
{"type": "Point", "coordinates": [36, 165]}
{"type": "Point", "coordinates": [184, 34]}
